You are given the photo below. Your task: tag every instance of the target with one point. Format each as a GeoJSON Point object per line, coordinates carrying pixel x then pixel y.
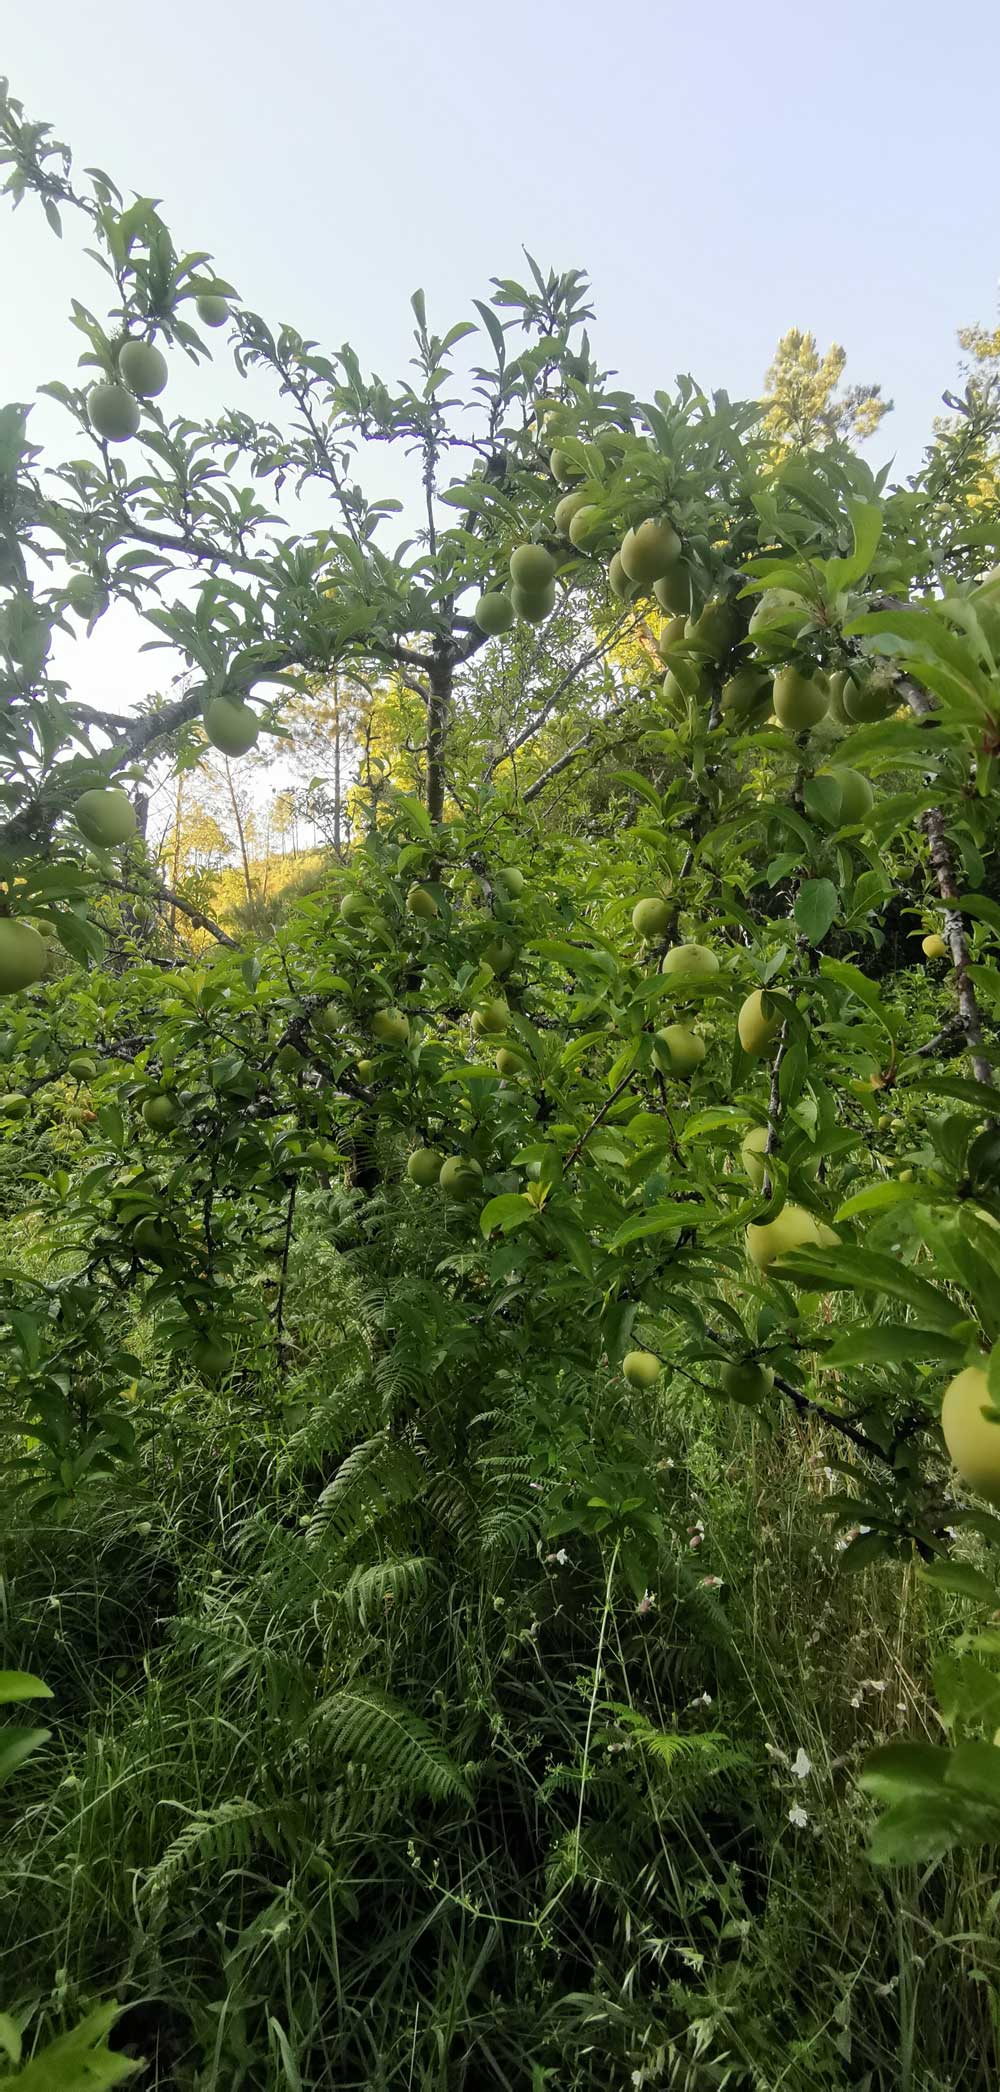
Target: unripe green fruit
{"type": "Point", "coordinates": [494, 613]}
{"type": "Point", "coordinates": [618, 580]}
{"type": "Point", "coordinates": [690, 962]}
{"type": "Point", "coordinates": [500, 956]}
{"type": "Point", "coordinates": [490, 1017]}
{"type": "Point", "coordinates": [533, 606]}
{"type": "Point", "coordinates": [424, 1166]}
{"type": "Point", "coordinates": [564, 468]}
{"type": "Point", "coordinates": [641, 1368]}
{"type": "Point", "coordinates": [231, 725]}
{"type": "Point", "coordinates": [391, 1027]}
{"type": "Point", "coordinates": [856, 795]}
{"type": "Point", "coordinates": [934, 947]}
{"type": "Point", "coordinates": [649, 551]}
{"type": "Point", "coordinates": [673, 591]}
{"type": "Point", "coordinates": [868, 701]}
{"type": "Point", "coordinates": [651, 919]}
{"type": "Point", "coordinates": [153, 1237]}
{"type": "Point", "coordinates": [212, 309]}
{"type": "Point", "coordinates": [906, 1176]}
{"type": "Point", "coordinates": [14, 1105]}
{"type": "Point", "coordinates": [684, 1048]}
{"type": "Point", "coordinates": [364, 1070]}
{"type": "Point", "coordinates": [756, 1026]}
{"type": "Point", "coordinates": [22, 955]}
{"type": "Point", "coordinates": [421, 903]}
{"type": "Point", "coordinates": [532, 568]}
{"type": "Point", "coordinates": [779, 609]}
{"type": "Point", "coordinates": [566, 509]}
{"type": "Point", "coordinates": [112, 412]}
{"type": "Point", "coordinates": [676, 688]}
{"type": "Point", "coordinates": [972, 1440]}
{"type": "Point", "coordinates": [160, 1113]}
{"type": "Point", "coordinates": [799, 701]}
{"type": "Point", "coordinates": [353, 908]}
{"type": "Point", "coordinates": [81, 1067]}
{"type": "Point", "coordinates": [461, 1178]}
{"type": "Point", "coordinates": [507, 1062]}
{"type": "Point", "coordinates": [746, 693]}
{"type": "Point", "coordinates": [793, 1228]}
{"type": "Point", "coordinates": [752, 1155]}
{"type": "Point", "coordinates": [884, 1122]}
{"type": "Point", "coordinates": [747, 1381]}
{"type": "Point", "coordinates": [587, 526]}
{"type": "Point", "coordinates": [838, 686]}
{"type": "Point", "coordinates": [105, 817]}
{"type": "Point", "coordinates": [710, 634]}
{"type": "Point", "coordinates": [143, 368]}
{"type": "Point", "coordinates": [288, 1059]}
{"type": "Point", "coordinates": [671, 637]}
{"type": "Point", "coordinates": [213, 1357]}
{"type": "Point", "coordinates": [85, 595]}
{"type": "Point", "coordinates": [512, 879]}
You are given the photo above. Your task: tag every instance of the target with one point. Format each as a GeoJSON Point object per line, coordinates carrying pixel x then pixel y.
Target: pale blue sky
{"type": "Point", "coordinates": [722, 172]}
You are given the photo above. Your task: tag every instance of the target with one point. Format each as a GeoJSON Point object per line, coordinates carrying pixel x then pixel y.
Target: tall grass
{"type": "Point", "coordinates": [362, 1777]}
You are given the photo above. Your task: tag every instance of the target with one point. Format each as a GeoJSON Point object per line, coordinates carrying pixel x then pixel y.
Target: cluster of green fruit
{"type": "Point", "coordinates": [743, 1380]}
{"type": "Point", "coordinates": [113, 405]}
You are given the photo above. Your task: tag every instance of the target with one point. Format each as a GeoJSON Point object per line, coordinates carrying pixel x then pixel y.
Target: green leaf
{"type": "Point", "coordinates": [511, 1210]}
{"type": "Point", "coordinates": [877, 1198]}
{"type": "Point", "coordinates": [79, 2061]}
{"type": "Point", "coordinates": [817, 905]}
{"type": "Point", "coordinates": [898, 1771]}
{"type": "Point", "coordinates": [658, 1219]}
{"type": "Point", "coordinates": [866, 526]}
{"type": "Point", "coordinates": [893, 1344]}
{"type": "Point", "coordinates": [867, 1271]}
{"type": "Point", "coordinates": [860, 1553]}
{"type": "Point", "coordinates": [962, 1580]}
{"type": "Point", "coordinates": [16, 1745]}
{"type": "Point", "coordinates": [847, 976]}
{"type": "Point", "coordinates": [20, 1685]}
{"type": "Point", "coordinates": [981, 908]}
{"type": "Point", "coordinates": [916, 1831]}
{"type": "Point", "coordinates": [966, 1092]}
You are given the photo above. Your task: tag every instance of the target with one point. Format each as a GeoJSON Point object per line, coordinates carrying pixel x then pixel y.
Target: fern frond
{"type": "Point", "coordinates": [709, 1749]}
{"type": "Point", "coordinates": [375, 1474]}
{"type": "Point", "coordinates": [223, 1837]}
{"type": "Point", "coordinates": [384, 1589]}
{"type": "Point", "coordinates": [395, 1746]}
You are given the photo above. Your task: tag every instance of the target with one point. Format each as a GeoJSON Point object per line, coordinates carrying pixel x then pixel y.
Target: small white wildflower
{"type": "Point", "coordinates": [702, 1699]}
{"type": "Point", "coordinates": [855, 1699]}
{"type": "Point", "coordinates": [798, 1816]}
{"type": "Point", "coordinates": [801, 1764]}
{"type": "Point", "coordinates": [711, 1583]}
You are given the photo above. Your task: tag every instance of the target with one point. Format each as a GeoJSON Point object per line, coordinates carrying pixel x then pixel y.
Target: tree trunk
{"type": "Point", "coordinates": [175, 868]}
{"type": "Point", "coordinates": [438, 716]}
{"type": "Point", "coordinates": [336, 771]}
{"type": "Point", "coordinates": [234, 803]}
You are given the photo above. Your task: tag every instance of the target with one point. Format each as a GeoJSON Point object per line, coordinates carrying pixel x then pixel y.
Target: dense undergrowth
{"type": "Point", "coordinates": [382, 1784]}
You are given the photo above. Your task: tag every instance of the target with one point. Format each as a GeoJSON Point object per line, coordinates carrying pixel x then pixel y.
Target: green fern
{"type": "Point", "coordinates": [226, 1836]}
{"type": "Point", "coordinates": [394, 1745]}
{"type": "Point", "coordinates": [377, 1473]}
{"type": "Point", "coordinates": [388, 1587]}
